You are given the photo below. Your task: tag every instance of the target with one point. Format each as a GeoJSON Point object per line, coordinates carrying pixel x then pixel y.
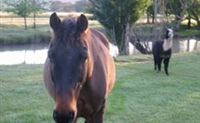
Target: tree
{"type": "Point", "coordinates": [178, 8]}
{"type": "Point", "coordinates": [182, 9]}
{"type": "Point", "coordinates": [2, 6]}
{"type": "Point", "coordinates": [36, 7]}
{"type": "Point", "coordinates": [117, 15]}
{"type": "Point", "coordinates": [150, 13]}
{"type": "Point", "coordinates": [193, 11]}
{"type": "Point", "coordinates": [20, 7]}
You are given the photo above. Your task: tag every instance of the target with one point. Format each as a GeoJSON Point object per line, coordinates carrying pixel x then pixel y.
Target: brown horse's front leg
{"type": "Point", "coordinates": [97, 117]}
{"type": "Point", "coordinates": [75, 120]}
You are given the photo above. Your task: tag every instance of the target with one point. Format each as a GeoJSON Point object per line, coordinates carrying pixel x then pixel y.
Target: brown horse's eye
{"type": "Point", "coordinates": [84, 54]}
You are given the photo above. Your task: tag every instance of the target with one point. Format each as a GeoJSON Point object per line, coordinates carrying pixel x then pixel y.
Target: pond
{"type": "Point", "coordinates": [36, 53]}
{"type": "Point", "coordinates": [179, 46]}
{"type": "Point", "coordinates": [24, 54]}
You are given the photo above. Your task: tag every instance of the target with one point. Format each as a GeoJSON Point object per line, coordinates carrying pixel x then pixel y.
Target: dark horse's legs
{"type": "Point", "coordinates": [155, 62]}
{"type": "Point", "coordinates": [159, 64]}
{"type": "Point", "coordinates": [166, 63]}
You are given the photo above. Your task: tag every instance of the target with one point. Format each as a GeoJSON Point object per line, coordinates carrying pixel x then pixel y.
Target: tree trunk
{"type": "Point", "coordinates": [34, 20]}
{"type": "Point", "coordinates": [195, 15]}
{"type": "Point", "coordinates": [133, 38]}
{"type": "Point", "coordinates": [127, 39]}
{"type": "Point", "coordinates": [148, 18]}
{"type": "Point", "coordinates": [178, 19]}
{"type": "Point", "coordinates": [189, 22]}
{"type": "Point", "coordinates": [123, 42]}
{"type": "Point", "coordinates": [138, 45]}
{"type": "Point", "coordinates": [120, 37]}
{"type": "Point", "coordinates": [117, 36]}
{"type": "Point", "coordinates": [153, 19]}
{"type": "Point", "coordinates": [155, 10]}
{"type": "Point", "coordinates": [198, 22]}
{"type": "Point", "coordinates": [177, 23]}
{"type": "Point", "coordinates": [25, 23]}
{"type": "Point", "coordinates": [197, 19]}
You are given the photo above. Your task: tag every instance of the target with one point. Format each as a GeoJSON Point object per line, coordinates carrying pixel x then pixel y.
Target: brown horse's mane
{"type": "Point", "coordinates": [68, 29]}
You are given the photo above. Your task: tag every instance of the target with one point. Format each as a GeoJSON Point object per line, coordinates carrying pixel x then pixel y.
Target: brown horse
{"type": "Point", "coordinates": [79, 73]}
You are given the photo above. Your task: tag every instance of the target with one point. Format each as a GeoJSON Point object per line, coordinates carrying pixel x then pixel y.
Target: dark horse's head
{"type": "Point", "coordinates": [68, 56]}
{"type": "Point", "coordinates": [169, 33]}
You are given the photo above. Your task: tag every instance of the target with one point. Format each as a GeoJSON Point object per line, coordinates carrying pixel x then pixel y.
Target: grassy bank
{"type": "Point", "coordinates": [12, 34]}
{"type": "Point", "coordinates": [15, 34]}
{"type": "Point", "coordinates": [12, 28]}
{"type": "Point", "coordinates": [140, 94]}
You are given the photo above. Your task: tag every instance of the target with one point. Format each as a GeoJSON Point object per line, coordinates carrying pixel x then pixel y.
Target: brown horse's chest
{"type": "Point", "coordinates": [84, 104]}
{"type": "Point", "coordinates": [87, 102]}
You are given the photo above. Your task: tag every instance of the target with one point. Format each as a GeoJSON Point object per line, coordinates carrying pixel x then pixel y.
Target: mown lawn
{"type": "Point", "coordinates": [140, 94]}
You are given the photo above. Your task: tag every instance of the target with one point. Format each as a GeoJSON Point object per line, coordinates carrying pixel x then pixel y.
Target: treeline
{"type": "Point", "coordinates": [27, 8]}
{"type": "Point", "coordinates": [180, 9]}
{"type": "Point", "coordinates": [119, 17]}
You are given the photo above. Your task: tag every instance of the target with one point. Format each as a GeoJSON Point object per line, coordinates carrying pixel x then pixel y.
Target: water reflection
{"type": "Point", "coordinates": [23, 57]}
{"type": "Point", "coordinates": [36, 54]}
{"type": "Point", "coordinates": [186, 45]}
{"type": "Point", "coordinates": [26, 54]}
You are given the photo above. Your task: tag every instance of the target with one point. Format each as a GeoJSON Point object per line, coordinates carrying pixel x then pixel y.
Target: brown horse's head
{"type": "Point", "coordinates": [68, 55]}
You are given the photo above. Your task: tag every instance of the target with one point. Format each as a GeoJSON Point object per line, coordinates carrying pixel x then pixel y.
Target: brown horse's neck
{"type": "Point", "coordinates": [93, 40]}
{"type": "Point", "coordinates": [89, 62]}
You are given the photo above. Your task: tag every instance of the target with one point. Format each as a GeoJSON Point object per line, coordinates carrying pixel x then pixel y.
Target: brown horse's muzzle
{"type": "Point", "coordinates": [64, 117]}
{"type": "Point", "coordinates": [66, 109]}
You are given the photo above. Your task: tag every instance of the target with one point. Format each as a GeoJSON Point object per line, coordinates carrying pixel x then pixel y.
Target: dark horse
{"type": "Point", "coordinates": [162, 51]}
{"type": "Point", "coordinates": [79, 73]}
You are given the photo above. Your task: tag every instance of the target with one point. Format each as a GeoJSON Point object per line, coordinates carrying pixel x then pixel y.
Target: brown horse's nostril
{"type": "Point", "coordinates": [70, 115]}
{"type": "Point", "coordinates": [67, 117]}
{"type": "Point", "coordinates": [56, 116]}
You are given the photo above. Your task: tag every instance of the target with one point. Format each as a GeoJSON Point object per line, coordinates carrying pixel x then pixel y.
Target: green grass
{"type": "Point", "coordinates": [140, 94]}
{"type": "Point", "coordinates": [153, 97]}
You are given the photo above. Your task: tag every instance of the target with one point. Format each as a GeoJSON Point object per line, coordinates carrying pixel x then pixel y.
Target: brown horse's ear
{"type": "Point", "coordinates": [55, 21]}
{"type": "Point", "coordinates": [82, 24]}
